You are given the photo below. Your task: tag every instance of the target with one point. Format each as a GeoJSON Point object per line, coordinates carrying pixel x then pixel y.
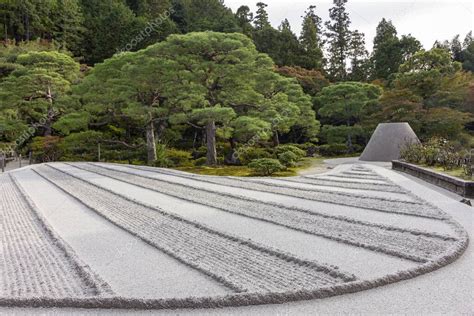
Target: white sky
{"type": "Point", "coordinates": [426, 20]}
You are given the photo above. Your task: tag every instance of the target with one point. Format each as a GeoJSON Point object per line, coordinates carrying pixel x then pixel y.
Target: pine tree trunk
{"type": "Point", "coordinates": [48, 122]}
{"type": "Point", "coordinates": [232, 159]}
{"type": "Point", "coordinates": [211, 143]}
{"type": "Point", "coordinates": [349, 144]}
{"type": "Point", "coordinates": [276, 139]}
{"type": "Point", "coordinates": [150, 143]}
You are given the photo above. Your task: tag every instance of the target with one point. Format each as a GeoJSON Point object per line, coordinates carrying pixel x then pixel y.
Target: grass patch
{"type": "Point", "coordinates": [244, 171]}
{"type": "Point", "coordinates": [457, 172]}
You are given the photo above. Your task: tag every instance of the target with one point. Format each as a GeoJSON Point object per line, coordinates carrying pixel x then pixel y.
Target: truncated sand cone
{"type": "Point", "coordinates": [387, 141]}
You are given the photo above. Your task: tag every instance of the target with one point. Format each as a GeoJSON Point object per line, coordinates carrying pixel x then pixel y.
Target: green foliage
{"type": "Point", "coordinates": [333, 149]}
{"type": "Point", "coordinates": [299, 153]}
{"type": "Point", "coordinates": [345, 102]}
{"type": "Point", "coordinates": [390, 51]}
{"type": "Point", "coordinates": [338, 37]}
{"type": "Point", "coordinates": [435, 152]}
{"type": "Point", "coordinates": [312, 81]}
{"type": "Point", "coordinates": [468, 57]}
{"type": "Point", "coordinates": [101, 17]}
{"type": "Point", "coordinates": [288, 159]}
{"type": "Point", "coordinates": [26, 20]}
{"type": "Point", "coordinates": [311, 39]}
{"type": "Point", "coordinates": [82, 146]}
{"type": "Point", "coordinates": [203, 15]}
{"type": "Point", "coordinates": [34, 91]}
{"type": "Point", "coordinates": [46, 149]}
{"type": "Point", "coordinates": [265, 166]}
{"type": "Point", "coordinates": [252, 153]}
{"type": "Point", "coordinates": [339, 134]}
{"type": "Point", "coordinates": [200, 161]}
{"type": "Point", "coordinates": [177, 157]}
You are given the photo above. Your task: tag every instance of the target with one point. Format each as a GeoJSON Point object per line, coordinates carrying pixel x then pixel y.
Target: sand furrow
{"type": "Point", "coordinates": [35, 261]}
{"type": "Point", "coordinates": [316, 194]}
{"type": "Point", "coordinates": [344, 184]}
{"type": "Point", "coordinates": [388, 204]}
{"type": "Point", "coordinates": [408, 244]}
{"type": "Point", "coordinates": [236, 263]}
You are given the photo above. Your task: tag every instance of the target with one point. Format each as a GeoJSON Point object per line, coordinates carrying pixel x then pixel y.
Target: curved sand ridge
{"type": "Point", "coordinates": [257, 273]}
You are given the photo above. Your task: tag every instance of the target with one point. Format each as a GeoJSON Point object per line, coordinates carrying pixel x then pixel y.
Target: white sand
{"type": "Point", "coordinates": [438, 291]}
{"type": "Point", "coordinates": [130, 266]}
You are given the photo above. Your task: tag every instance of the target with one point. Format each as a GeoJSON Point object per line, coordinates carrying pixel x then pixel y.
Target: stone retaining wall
{"type": "Point", "coordinates": [459, 186]}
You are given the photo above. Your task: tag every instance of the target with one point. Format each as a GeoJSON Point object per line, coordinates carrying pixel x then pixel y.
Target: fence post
{"type": "Point", "coordinates": [19, 156]}
{"type": "Point", "coordinates": [2, 162]}
{"type": "Point", "coordinates": [30, 157]}
{"type": "Point", "coordinates": [98, 152]}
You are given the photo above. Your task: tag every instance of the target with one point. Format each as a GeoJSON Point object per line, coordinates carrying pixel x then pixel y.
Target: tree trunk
{"type": "Point", "coordinates": [231, 158]}
{"type": "Point", "coordinates": [211, 143]}
{"type": "Point", "coordinates": [48, 122]}
{"type": "Point", "coordinates": [349, 143]}
{"type": "Point", "coordinates": [276, 139]}
{"type": "Point", "coordinates": [150, 143]}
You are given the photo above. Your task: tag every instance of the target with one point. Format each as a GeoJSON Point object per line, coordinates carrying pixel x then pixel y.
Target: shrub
{"type": "Point", "coordinates": [412, 153]}
{"type": "Point", "coordinates": [161, 160]}
{"type": "Point", "coordinates": [200, 161]}
{"type": "Point", "coordinates": [310, 149]}
{"type": "Point", "coordinates": [288, 158]}
{"type": "Point", "coordinates": [177, 157]}
{"type": "Point", "coordinates": [299, 153]}
{"type": "Point", "coordinates": [46, 149]}
{"type": "Point", "coordinates": [246, 155]}
{"type": "Point", "coordinates": [437, 151]}
{"type": "Point", "coordinates": [333, 149]}
{"type": "Point", "coordinates": [265, 166]}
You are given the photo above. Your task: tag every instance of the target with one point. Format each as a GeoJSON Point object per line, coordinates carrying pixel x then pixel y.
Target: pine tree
{"type": "Point", "coordinates": [390, 51]}
{"type": "Point", "coordinates": [310, 38]}
{"type": "Point", "coordinates": [359, 57]}
{"type": "Point", "coordinates": [261, 18]}
{"type": "Point", "coordinates": [244, 19]}
{"type": "Point", "coordinates": [339, 40]}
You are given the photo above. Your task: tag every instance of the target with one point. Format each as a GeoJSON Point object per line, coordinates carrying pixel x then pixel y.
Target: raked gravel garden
{"type": "Point", "coordinates": [110, 236]}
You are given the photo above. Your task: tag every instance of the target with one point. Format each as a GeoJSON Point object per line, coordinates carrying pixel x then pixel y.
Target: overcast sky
{"type": "Point", "coordinates": [426, 20]}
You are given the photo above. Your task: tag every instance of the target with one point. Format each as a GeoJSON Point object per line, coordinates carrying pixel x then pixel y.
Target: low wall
{"type": "Point", "coordinates": [459, 186]}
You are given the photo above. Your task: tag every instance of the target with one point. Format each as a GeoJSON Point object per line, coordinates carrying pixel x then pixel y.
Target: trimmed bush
{"type": "Point", "coordinates": [246, 155]}
{"type": "Point", "coordinates": [299, 153]}
{"type": "Point", "coordinates": [288, 158]}
{"type": "Point", "coordinates": [178, 158]}
{"type": "Point", "coordinates": [200, 161]}
{"type": "Point", "coordinates": [333, 149]}
{"type": "Point", "coordinates": [46, 149]}
{"type": "Point", "coordinates": [266, 166]}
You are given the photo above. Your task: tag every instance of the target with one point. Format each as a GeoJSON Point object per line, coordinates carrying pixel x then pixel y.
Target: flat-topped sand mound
{"type": "Point", "coordinates": [387, 141]}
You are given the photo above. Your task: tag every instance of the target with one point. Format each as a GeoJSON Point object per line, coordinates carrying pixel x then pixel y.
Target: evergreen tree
{"type": "Point", "coordinates": [244, 19]}
{"type": "Point", "coordinates": [389, 51]}
{"type": "Point", "coordinates": [68, 25]}
{"type": "Point", "coordinates": [261, 18]}
{"type": "Point", "coordinates": [203, 15]}
{"type": "Point", "coordinates": [149, 8]}
{"type": "Point", "coordinates": [310, 39]}
{"type": "Point", "coordinates": [456, 48]}
{"type": "Point", "coordinates": [344, 104]}
{"type": "Point", "coordinates": [110, 26]}
{"type": "Point", "coordinates": [32, 93]}
{"type": "Point", "coordinates": [59, 20]}
{"type": "Point", "coordinates": [359, 57]}
{"type": "Point", "coordinates": [338, 35]}
{"type": "Point", "coordinates": [385, 54]}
